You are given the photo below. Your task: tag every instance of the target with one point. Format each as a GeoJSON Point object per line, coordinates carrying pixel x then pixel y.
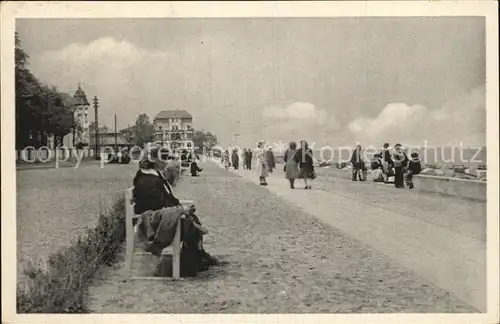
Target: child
{"type": "Point", "coordinates": [414, 167]}
{"type": "Point", "coordinates": [400, 162]}
{"type": "Point", "coordinates": [195, 169]}
{"type": "Point", "coordinates": [377, 166]}
{"type": "Point", "coordinates": [194, 258]}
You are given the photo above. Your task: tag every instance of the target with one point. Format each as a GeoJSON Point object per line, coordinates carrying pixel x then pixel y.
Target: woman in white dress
{"type": "Point", "coordinates": [263, 168]}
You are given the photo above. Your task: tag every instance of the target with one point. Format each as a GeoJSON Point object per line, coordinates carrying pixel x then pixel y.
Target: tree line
{"type": "Point", "coordinates": [41, 110]}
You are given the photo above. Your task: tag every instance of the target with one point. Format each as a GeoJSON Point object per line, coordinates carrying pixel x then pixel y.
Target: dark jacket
{"type": "Point", "coordinates": [415, 166]}
{"type": "Point", "coordinates": [376, 163]}
{"type": "Point", "coordinates": [152, 192]}
{"type": "Point", "coordinates": [399, 159]}
{"type": "Point", "coordinates": [357, 159]}
{"type": "Point", "coordinates": [270, 159]}
{"type": "Point", "coordinates": [195, 168]}
{"type": "Point", "coordinates": [386, 157]}
{"type": "Point", "coordinates": [304, 159]}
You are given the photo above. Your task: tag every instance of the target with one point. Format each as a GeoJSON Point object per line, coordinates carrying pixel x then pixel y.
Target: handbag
{"type": "Point", "coordinates": [312, 174]}
{"type": "Point", "coordinates": [284, 168]}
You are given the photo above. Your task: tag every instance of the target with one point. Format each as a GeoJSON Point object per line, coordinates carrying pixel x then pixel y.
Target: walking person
{"type": "Point", "coordinates": [400, 161]}
{"type": "Point", "coordinates": [291, 166]}
{"type": "Point", "coordinates": [270, 159]}
{"type": "Point", "coordinates": [250, 154]}
{"type": "Point", "coordinates": [245, 159]}
{"type": "Point", "coordinates": [304, 158]}
{"type": "Point", "coordinates": [226, 161]}
{"type": "Point", "coordinates": [357, 164]}
{"type": "Point", "coordinates": [235, 159]}
{"type": "Point", "coordinates": [387, 163]}
{"type": "Point", "coordinates": [414, 167]}
{"type": "Point", "coordinates": [262, 164]}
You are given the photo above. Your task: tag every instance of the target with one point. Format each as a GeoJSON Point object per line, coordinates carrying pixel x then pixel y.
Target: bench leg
{"type": "Point", "coordinates": [176, 253]}
{"type": "Point", "coordinates": [129, 236]}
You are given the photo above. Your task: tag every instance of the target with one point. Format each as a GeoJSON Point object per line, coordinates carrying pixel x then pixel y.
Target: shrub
{"type": "Point", "coordinates": [60, 285]}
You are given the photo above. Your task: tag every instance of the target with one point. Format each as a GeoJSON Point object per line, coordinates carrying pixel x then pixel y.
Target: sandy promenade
{"type": "Point", "coordinates": [280, 259]}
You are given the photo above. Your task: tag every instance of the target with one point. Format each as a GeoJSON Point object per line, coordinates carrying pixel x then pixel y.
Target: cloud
{"type": "Point", "coordinates": [299, 120]}
{"type": "Point", "coordinates": [128, 80]}
{"type": "Point", "coordinates": [459, 120]}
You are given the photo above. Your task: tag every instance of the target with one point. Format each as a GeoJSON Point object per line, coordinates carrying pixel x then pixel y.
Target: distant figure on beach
{"type": "Point", "coordinates": [358, 165]}
{"type": "Point", "coordinates": [400, 161]}
{"type": "Point", "coordinates": [235, 159]}
{"type": "Point", "coordinates": [304, 159]}
{"type": "Point", "coordinates": [291, 166]}
{"type": "Point", "coordinates": [262, 164]}
{"type": "Point", "coordinates": [387, 163]}
{"type": "Point", "coordinates": [245, 159]}
{"type": "Point", "coordinates": [225, 160]}
{"type": "Point", "coordinates": [249, 161]}
{"type": "Point", "coordinates": [195, 168]}
{"type": "Point", "coordinates": [414, 167]}
{"type": "Point", "coordinates": [377, 168]}
{"type": "Point", "coordinates": [270, 160]}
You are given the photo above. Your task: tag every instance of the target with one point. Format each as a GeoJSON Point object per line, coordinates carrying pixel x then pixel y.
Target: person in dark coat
{"type": "Point", "coordinates": [245, 159]}
{"type": "Point", "coordinates": [414, 167]}
{"type": "Point", "coordinates": [357, 164]}
{"type": "Point", "coordinates": [195, 169]}
{"type": "Point", "coordinates": [304, 159]}
{"type": "Point", "coordinates": [271, 163]}
{"type": "Point", "coordinates": [387, 163]}
{"type": "Point", "coordinates": [235, 159]}
{"type": "Point", "coordinates": [249, 161]}
{"type": "Point", "coordinates": [400, 161]}
{"type": "Point", "coordinates": [153, 193]}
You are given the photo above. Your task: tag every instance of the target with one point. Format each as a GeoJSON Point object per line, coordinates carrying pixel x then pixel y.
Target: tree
{"type": "Point", "coordinates": [40, 110]}
{"type": "Point", "coordinates": [143, 130]}
{"type": "Point", "coordinates": [204, 140]}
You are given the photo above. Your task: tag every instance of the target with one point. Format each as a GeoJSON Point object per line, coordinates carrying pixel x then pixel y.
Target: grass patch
{"type": "Point", "coordinates": [60, 284]}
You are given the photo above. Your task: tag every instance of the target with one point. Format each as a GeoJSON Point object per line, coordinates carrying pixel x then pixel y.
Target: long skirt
{"type": "Point", "coordinates": [292, 170]}
{"type": "Point", "coordinates": [263, 169]}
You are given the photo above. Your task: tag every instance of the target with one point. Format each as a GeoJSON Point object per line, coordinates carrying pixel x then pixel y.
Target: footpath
{"type": "Point", "coordinates": [278, 259]}
{"type": "Point", "coordinates": [441, 239]}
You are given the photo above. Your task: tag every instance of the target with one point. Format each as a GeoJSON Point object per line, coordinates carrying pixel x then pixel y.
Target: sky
{"type": "Point", "coordinates": [330, 81]}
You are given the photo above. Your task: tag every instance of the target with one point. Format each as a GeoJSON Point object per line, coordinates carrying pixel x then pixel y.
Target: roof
{"type": "Point", "coordinates": [166, 114]}
{"type": "Point", "coordinates": [80, 98]}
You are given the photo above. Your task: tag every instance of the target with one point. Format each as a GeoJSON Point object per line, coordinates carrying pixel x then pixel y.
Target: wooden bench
{"type": "Point", "coordinates": [130, 242]}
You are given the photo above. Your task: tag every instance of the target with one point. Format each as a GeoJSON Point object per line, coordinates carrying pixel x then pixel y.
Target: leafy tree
{"type": "Point", "coordinates": [143, 130]}
{"type": "Point", "coordinates": [204, 140]}
{"type": "Point", "coordinates": [40, 110]}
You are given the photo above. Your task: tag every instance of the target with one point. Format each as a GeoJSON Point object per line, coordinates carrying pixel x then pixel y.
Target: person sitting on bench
{"type": "Point", "coordinates": [160, 213]}
{"type": "Point", "coordinates": [195, 169]}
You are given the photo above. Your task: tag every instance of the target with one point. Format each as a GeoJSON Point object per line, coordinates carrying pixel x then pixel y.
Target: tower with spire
{"type": "Point", "coordinates": [81, 111]}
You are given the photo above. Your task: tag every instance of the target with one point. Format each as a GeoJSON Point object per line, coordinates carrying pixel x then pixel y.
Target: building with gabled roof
{"type": "Point", "coordinates": [173, 129]}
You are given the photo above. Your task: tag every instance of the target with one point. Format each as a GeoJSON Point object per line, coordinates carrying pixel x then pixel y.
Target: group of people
{"type": "Point", "coordinates": [387, 164]}
{"type": "Point", "coordinates": [233, 160]}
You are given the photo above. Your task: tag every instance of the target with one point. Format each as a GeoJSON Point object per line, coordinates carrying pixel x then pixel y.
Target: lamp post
{"type": "Point", "coordinates": [96, 106]}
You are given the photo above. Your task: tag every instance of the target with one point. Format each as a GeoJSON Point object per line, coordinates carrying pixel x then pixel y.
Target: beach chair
{"type": "Point", "coordinates": [130, 242]}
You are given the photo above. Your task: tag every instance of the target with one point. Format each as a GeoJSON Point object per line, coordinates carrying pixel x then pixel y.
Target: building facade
{"type": "Point", "coordinates": [81, 111]}
{"type": "Point", "coordinates": [173, 129]}
{"type": "Point", "coordinates": [79, 104]}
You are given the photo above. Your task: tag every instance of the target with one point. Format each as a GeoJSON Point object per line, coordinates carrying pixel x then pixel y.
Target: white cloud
{"type": "Point", "coordinates": [299, 120]}
{"type": "Point", "coordinates": [128, 80]}
{"type": "Point", "coordinates": [459, 120]}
